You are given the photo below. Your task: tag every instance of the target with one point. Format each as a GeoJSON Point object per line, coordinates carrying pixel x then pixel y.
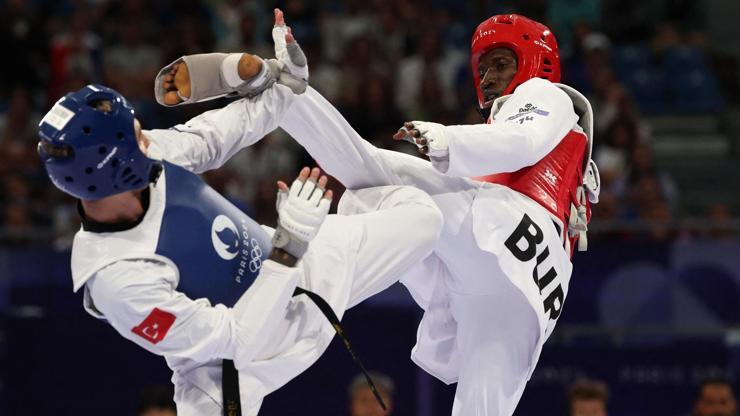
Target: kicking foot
{"type": "Point", "coordinates": [176, 83]}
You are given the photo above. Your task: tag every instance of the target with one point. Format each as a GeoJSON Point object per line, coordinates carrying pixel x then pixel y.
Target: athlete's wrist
{"type": "Point", "coordinates": [288, 241]}
{"type": "Point", "coordinates": [281, 256]}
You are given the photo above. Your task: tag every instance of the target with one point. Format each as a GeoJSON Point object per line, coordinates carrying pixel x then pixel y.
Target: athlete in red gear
{"type": "Point", "coordinates": [507, 51]}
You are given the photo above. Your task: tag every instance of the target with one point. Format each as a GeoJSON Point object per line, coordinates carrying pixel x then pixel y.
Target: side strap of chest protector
{"type": "Point", "coordinates": [578, 220]}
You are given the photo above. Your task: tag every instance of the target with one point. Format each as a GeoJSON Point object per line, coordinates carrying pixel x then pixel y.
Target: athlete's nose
{"type": "Point", "coordinates": [488, 83]}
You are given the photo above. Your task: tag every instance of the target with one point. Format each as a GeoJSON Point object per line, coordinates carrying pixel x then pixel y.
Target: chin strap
{"type": "Point", "coordinates": [484, 112]}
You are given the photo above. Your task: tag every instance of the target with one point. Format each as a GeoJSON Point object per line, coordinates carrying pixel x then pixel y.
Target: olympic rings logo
{"type": "Point", "coordinates": [256, 256]}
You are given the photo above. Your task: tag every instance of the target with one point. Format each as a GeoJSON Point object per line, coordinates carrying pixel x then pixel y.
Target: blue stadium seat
{"type": "Point", "coordinates": [648, 87]}
{"type": "Point", "coordinates": [692, 86]}
{"type": "Point", "coordinates": [627, 57]}
{"type": "Point", "coordinates": [694, 91]}
{"type": "Point", "coordinates": [633, 66]}
{"type": "Point", "coordinates": [684, 57]}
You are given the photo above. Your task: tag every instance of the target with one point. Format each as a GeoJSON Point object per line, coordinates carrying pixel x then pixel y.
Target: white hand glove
{"type": "Point", "coordinates": [301, 211]}
{"type": "Point", "coordinates": [290, 57]}
{"type": "Point", "coordinates": [430, 138]}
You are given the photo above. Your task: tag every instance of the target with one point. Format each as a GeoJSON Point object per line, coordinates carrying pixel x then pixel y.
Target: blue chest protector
{"type": "Point", "coordinates": [219, 251]}
{"type": "Point", "coordinates": [217, 248]}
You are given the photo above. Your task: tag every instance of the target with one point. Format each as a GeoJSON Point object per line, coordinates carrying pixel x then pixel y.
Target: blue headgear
{"type": "Point", "coordinates": [102, 155]}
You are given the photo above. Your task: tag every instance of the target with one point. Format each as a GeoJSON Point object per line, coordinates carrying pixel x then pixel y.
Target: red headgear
{"type": "Point", "coordinates": [534, 45]}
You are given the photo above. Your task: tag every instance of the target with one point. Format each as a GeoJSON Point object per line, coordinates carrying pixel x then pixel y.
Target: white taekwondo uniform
{"type": "Point", "coordinates": [378, 234]}
{"type": "Point", "coordinates": [491, 300]}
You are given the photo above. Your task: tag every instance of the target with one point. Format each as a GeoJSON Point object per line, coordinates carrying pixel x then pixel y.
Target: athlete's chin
{"type": "Point", "coordinates": [489, 97]}
{"type": "Point", "coordinates": [488, 103]}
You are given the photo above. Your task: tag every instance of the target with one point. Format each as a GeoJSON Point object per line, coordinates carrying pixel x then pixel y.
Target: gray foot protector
{"type": "Point", "coordinates": [207, 82]}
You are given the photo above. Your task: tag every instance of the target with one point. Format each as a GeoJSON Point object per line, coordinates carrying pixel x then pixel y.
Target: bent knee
{"type": "Point", "coordinates": [423, 214]}
{"type": "Point", "coordinates": [410, 207]}
{"type": "Point", "coordinates": [432, 220]}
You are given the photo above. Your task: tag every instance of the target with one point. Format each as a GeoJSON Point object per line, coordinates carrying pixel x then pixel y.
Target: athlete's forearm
{"type": "Point", "coordinates": [281, 256]}
{"type": "Point", "coordinates": [483, 149]}
{"type": "Point", "coordinates": [529, 125]}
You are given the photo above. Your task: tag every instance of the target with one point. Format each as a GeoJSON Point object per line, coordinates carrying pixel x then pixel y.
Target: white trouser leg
{"type": "Point", "coordinates": [497, 339]}
{"type": "Point", "coordinates": [399, 224]}
{"type": "Point", "coordinates": [192, 401]}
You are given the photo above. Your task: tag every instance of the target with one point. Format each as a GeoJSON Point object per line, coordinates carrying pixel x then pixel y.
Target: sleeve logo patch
{"type": "Point", "coordinates": [155, 326]}
{"type": "Point", "coordinates": [526, 112]}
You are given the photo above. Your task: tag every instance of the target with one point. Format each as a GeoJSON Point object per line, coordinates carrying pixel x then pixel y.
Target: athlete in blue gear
{"type": "Point", "coordinates": [180, 271]}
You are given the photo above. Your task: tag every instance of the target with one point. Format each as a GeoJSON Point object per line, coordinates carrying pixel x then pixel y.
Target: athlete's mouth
{"type": "Point", "coordinates": [489, 95]}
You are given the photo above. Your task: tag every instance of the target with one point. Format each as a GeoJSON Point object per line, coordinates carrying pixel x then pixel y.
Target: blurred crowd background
{"type": "Point", "coordinates": [662, 88]}
{"type": "Point", "coordinates": [662, 76]}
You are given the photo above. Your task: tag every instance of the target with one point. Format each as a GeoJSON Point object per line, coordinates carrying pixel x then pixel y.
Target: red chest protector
{"type": "Point", "coordinates": [555, 182]}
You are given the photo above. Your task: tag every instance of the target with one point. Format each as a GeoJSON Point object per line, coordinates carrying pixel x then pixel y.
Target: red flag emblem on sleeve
{"type": "Point", "coordinates": [155, 326]}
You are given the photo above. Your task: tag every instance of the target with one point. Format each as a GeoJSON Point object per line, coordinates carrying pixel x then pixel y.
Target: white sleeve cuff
{"type": "Point", "coordinates": [277, 269]}
{"type": "Point", "coordinates": [442, 164]}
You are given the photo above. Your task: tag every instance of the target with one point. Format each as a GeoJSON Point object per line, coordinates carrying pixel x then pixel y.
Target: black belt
{"type": "Point", "coordinates": [230, 388]}
{"type": "Point", "coordinates": [230, 376]}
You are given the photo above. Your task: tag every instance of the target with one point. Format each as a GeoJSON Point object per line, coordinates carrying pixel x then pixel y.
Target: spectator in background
{"type": "Point", "coordinates": [74, 54]}
{"type": "Point", "coordinates": [246, 36]}
{"type": "Point", "coordinates": [241, 22]}
{"type": "Point", "coordinates": [426, 80]}
{"type": "Point", "coordinates": [156, 400]}
{"type": "Point", "coordinates": [390, 34]}
{"type": "Point", "coordinates": [190, 34]}
{"type": "Point", "coordinates": [303, 17]}
{"type": "Point", "coordinates": [360, 63]}
{"type": "Point", "coordinates": [588, 398]}
{"type": "Point", "coordinates": [720, 219]}
{"type": "Point", "coordinates": [338, 29]}
{"type": "Point", "coordinates": [636, 21]}
{"type": "Point", "coordinates": [22, 38]}
{"type": "Point", "coordinates": [132, 64]}
{"type": "Point", "coordinates": [690, 15]}
{"type": "Point", "coordinates": [18, 122]}
{"type": "Point", "coordinates": [248, 179]}
{"type": "Point", "coordinates": [666, 36]}
{"type": "Point", "coordinates": [361, 399]}
{"type": "Point", "coordinates": [534, 9]}
{"type": "Point", "coordinates": [651, 194]}
{"type": "Point", "coordinates": [591, 54]}
{"type": "Point", "coordinates": [324, 73]}
{"type": "Point", "coordinates": [565, 15]}
{"type": "Point", "coordinates": [715, 398]}
{"type": "Point", "coordinates": [376, 112]}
